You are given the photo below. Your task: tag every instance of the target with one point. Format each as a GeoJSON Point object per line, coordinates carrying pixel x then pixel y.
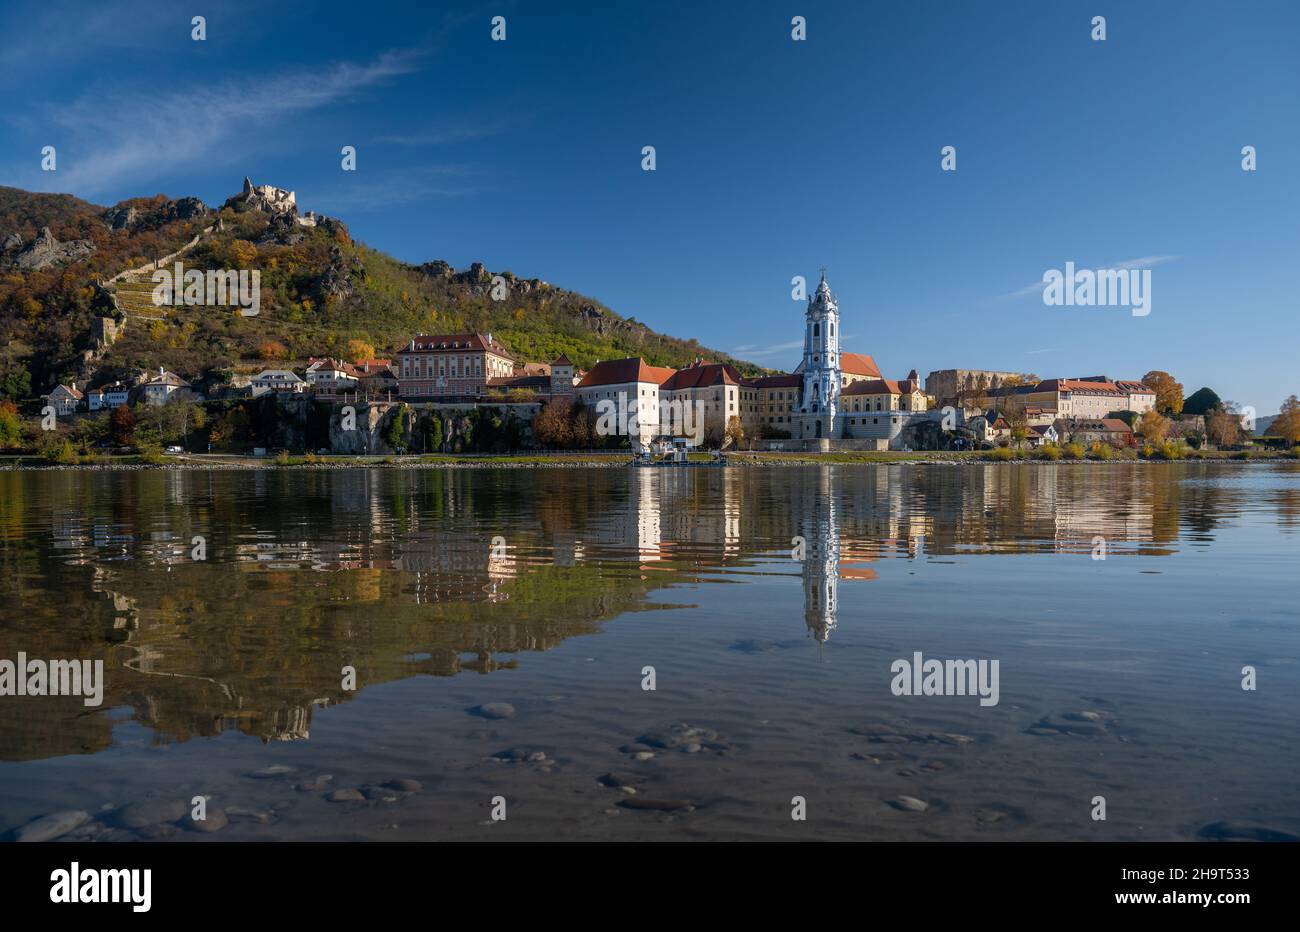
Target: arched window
{"type": "Point", "coordinates": [816, 329]}
{"type": "Point", "coordinates": [830, 332]}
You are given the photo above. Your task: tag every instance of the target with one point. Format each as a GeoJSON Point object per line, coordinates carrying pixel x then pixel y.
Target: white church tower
{"type": "Point", "coordinates": [820, 366]}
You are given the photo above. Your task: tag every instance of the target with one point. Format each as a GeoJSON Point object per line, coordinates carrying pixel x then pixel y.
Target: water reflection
{"type": "Point", "coordinates": [401, 573]}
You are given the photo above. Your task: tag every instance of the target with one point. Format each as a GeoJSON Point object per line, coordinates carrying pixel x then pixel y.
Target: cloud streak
{"type": "Point", "coordinates": [1142, 262]}
{"type": "Point", "coordinates": [141, 136]}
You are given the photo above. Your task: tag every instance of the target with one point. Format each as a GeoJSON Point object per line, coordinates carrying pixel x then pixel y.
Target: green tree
{"type": "Point", "coordinates": [1202, 401]}
{"type": "Point", "coordinates": [394, 433]}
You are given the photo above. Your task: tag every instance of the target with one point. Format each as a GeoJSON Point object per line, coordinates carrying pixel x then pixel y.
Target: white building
{"type": "Point", "coordinates": [64, 400]}
{"type": "Point", "coordinates": [276, 380]}
{"type": "Point", "coordinates": [159, 389]}
{"type": "Point", "coordinates": [633, 387]}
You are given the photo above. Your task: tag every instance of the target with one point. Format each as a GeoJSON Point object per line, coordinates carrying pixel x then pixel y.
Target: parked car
{"type": "Point", "coordinates": [173, 449]}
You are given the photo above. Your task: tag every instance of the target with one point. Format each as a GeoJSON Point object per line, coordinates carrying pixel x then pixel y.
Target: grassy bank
{"type": "Point", "coordinates": [620, 460]}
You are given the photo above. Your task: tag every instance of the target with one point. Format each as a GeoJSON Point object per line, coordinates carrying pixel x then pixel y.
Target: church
{"type": "Point", "coordinates": [843, 400]}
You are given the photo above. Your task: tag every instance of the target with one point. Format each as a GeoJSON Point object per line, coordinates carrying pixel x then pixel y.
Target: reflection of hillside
{"type": "Point", "coordinates": [441, 572]}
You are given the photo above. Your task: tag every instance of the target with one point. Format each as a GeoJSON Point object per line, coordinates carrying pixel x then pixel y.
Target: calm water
{"type": "Point", "coordinates": [1118, 678]}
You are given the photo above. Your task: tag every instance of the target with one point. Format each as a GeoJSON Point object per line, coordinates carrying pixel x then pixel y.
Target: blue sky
{"type": "Point", "coordinates": [774, 158]}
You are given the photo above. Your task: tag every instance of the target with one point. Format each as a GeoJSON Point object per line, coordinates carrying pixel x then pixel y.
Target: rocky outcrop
{"type": "Point", "coordinates": [341, 276]}
{"type": "Point", "coordinates": [366, 437]}
{"type": "Point", "coordinates": [122, 218]}
{"type": "Point", "coordinates": [130, 217]}
{"type": "Point", "coordinates": [45, 252]}
{"type": "Point", "coordinates": [185, 208]}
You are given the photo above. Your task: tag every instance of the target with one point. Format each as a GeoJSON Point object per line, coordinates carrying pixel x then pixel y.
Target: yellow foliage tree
{"type": "Point", "coordinates": [359, 351]}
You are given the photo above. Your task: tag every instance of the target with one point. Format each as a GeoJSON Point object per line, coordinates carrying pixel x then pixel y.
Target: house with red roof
{"type": "Point", "coordinates": [449, 366]}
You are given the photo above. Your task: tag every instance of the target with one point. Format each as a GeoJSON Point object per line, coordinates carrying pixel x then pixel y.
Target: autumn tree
{"type": "Point", "coordinates": [1153, 426]}
{"type": "Point", "coordinates": [553, 424]}
{"type": "Point", "coordinates": [1169, 391]}
{"type": "Point", "coordinates": [1018, 420]}
{"type": "Point", "coordinates": [1223, 427]}
{"type": "Point", "coordinates": [121, 425]}
{"type": "Point", "coordinates": [273, 349]}
{"type": "Point", "coordinates": [360, 351]}
{"type": "Point", "coordinates": [11, 425]}
{"type": "Point", "coordinates": [735, 433]}
{"type": "Point", "coordinates": [1287, 423]}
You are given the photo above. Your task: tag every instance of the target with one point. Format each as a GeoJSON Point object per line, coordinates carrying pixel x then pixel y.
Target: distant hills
{"type": "Point", "coordinates": [323, 293]}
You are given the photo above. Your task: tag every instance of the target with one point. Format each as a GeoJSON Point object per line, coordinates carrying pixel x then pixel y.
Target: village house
{"type": "Point", "coordinates": [64, 399]}
{"type": "Point", "coordinates": [376, 378]}
{"type": "Point", "coordinates": [1093, 398]}
{"type": "Point", "coordinates": [112, 395]}
{"type": "Point", "coordinates": [330, 376]}
{"type": "Point", "coordinates": [456, 365]}
{"type": "Point", "coordinates": [990, 428]}
{"type": "Point", "coordinates": [160, 389]}
{"type": "Point", "coordinates": [1087, 431]}
{"type": "Point", "coordinates": [1037, 435]}
{"type": "Point", "coordinates": [277, 380]}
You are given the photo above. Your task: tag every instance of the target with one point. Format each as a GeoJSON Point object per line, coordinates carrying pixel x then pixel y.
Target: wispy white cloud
{"type": "Point", "coordinates": [1142, 262]}
{"type": "Point", "coordinates": [449, 135]}
{"type": "Point", "coordinates": [757, 351]}
{"type": "Point", "coordinates": [140, 136]}
{"type": "Point", "coordinates": [367, 192]}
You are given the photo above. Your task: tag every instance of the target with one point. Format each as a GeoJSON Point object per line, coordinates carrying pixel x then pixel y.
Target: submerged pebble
{"type": "Point", "coordinates": [493, 710]}
{"type": "Point", "coordinates": [149, 812]}
{"type": "Point", "coordinates": [52, 826]}
{"type": "Point", "coordinates": [909, 804]}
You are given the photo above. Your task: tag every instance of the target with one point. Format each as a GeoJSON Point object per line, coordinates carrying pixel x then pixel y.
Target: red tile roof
{"type": "Point", "coordinates": [701, 375]}
{"type": "Point", "coordinates": [623, 371]}
{"type": "Point", "coordinates": [859, 364]}
{"type": "Point", "coordinates": [453, 342]}
{"type": "Point", "coordinates": [1081, 386]}
{"type": "Point", "coordinates": [881, 387]}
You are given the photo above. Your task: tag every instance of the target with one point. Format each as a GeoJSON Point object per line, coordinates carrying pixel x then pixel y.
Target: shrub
{"type": "Point", "coordinates": [151, 453]}
{"type": "Point", "coordinates": [63, 455]}
{"type": "Point", "coordinates": [1002, 454]}
{"type": "Point", "coordinates": [1162, 451]}
{"type": "Point", "coordinates": [1102, 451]}
{"type": "Point", "coordinates": [1073, 451]}
{"type": "Point", "coordinates": [1049, 452]}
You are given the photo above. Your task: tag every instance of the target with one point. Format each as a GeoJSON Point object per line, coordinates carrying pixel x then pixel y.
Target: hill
{"type": "Point", "coordinates": [322, 293]}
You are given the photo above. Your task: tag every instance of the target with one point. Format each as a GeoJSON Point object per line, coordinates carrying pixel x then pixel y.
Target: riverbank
{"type": "Point", "coordinates": [621, 459]}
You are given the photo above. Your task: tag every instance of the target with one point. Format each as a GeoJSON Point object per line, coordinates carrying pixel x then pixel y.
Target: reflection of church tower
{"type": "Point", "coordinates": [821, 365]}
{"type": "Point", "coordinates": [819, 527]}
